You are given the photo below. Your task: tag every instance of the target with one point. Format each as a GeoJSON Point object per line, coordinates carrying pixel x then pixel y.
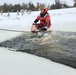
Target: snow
{"type": "Point", "coordinates": [62, 20]}
{"type": "Point", "coordinates": [17, 63]}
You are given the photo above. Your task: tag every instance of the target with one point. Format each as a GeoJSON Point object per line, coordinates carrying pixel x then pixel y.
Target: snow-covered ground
{"type": "Point", "coordinates": [62, 20]}
{"type": "Point", "coordinates": [17, 63]}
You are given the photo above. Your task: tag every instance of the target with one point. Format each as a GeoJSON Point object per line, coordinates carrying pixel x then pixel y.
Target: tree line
{"type": "Point", "coordinates": [30, 6]}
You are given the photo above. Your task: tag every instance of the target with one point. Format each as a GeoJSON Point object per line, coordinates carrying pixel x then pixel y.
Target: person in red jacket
{"type": "Point", "coordinates": [45, 21]}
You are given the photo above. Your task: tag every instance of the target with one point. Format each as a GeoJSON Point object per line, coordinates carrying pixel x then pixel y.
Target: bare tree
{"type": "Point", "coordinates": [17, 12]}
{"type": "Point", "coordinates": [8, 14]}
{"type": "Point", "coordinates": [75, 1]}
{"type": "Point", "coordinates": [23, 12]}
{"type": "Point", "coordinates": [1, 13]}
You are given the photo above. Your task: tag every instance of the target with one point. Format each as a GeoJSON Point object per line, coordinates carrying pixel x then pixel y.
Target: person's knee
{"type": "Point", "coordinates": [44, 29]}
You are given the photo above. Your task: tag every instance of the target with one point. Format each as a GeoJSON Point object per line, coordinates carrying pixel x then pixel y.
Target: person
{"type": "Point", "coordinates": [45, 21]}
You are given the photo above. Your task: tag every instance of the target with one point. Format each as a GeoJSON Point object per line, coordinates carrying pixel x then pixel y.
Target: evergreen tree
{"type": "Point", "coordinates": [1, 8]}
{"type": "Point", "coordinates": [57, 5]}
{"type": "Point", "coordinates": [53, 6]}
{"type": "Point", "coordinates": [24, 6]}
{"type": "Point", "coordinates": [10, 6]}
{"type": "Point", "coordinates": [74, 3]}
{"type": "Point", "coordinates": [38, 5]}
{"type": "Point", "coordinates": [5, 7]}
{"type": "Point", "coordinates": [31, 6]}
{"type": "Point", "coordinates": [17, 7]}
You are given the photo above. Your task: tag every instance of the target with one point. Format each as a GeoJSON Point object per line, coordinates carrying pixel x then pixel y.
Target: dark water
{"type": "Point", "coordinates": [60, 46]}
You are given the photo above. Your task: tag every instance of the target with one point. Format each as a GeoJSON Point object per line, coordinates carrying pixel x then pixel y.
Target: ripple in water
{"type": "Point", "coordinates": [60, 46]}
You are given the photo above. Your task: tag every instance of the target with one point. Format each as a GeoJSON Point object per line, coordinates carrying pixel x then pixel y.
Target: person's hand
{"type": "Point", "coordinates": [34, 28]}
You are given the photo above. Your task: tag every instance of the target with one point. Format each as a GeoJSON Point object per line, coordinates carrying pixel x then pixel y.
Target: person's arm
{"type": "Point", "coordinates": [47, 21]}
{"type": "Point", "coordinates": [36, 20]}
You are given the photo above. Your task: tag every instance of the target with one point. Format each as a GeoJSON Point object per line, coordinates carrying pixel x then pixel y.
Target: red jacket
{"type": "Point", "coordinates": [44, 19]}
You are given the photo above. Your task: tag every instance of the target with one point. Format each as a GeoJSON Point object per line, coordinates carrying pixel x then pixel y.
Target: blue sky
{"type": "Point", "coordinates": [69, 2]}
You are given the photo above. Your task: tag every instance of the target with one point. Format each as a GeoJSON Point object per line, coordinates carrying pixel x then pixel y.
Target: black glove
{"type": "Point", "coordinates": [34, 23]}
